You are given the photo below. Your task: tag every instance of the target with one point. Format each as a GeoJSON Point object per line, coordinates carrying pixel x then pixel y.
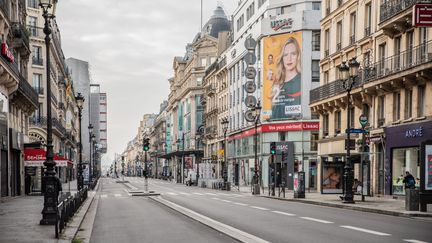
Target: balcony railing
{"type": "Point", "coordinates": [338, 46]}
{"type": "Point", "coordinates": [37, 61]}
{"type": "Point", "coordinates": [20, 35]}
{"type": "Point", "coordinates": [39, 90]}
{"type": "Point", "coordinates": [41, 122]}
{"type": "Point", "coordinates": [27, 90]}
{"type": "Point", "coordinates": [352, 39]}
{"type": "Point", "coordinates": [57, 125]}
{"type": "Point", "coordinates": [367, 31]}
{"type": "Point", "coordinates": [393, 7]}
{"type": "Point", "coordinates": [405, 60]}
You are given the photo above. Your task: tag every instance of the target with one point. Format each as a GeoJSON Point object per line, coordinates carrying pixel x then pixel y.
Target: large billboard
{"type": "Point", "coordinates": [282, 76]}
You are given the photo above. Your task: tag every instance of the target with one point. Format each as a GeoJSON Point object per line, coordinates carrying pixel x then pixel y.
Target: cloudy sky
{"type": "Point", "coordinates": [130, 46]}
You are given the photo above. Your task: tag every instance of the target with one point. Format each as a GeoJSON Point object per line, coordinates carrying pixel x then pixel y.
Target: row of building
{"type": "Point", "coordinates": [300, 48]}
{"type": "Point", "coordinates": [23, 96]}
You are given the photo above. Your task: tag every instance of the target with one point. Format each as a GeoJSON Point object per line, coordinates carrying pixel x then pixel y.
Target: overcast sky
{"type": "Point", "coordinates": [130, 46]}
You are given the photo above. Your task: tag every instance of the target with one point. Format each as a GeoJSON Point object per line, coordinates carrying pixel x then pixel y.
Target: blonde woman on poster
{"type": "Point", "coordinates": [286, 90]}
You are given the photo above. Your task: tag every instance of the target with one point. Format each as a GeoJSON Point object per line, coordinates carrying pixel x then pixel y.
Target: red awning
{"type": "Point", "coordinates": [37, 156]}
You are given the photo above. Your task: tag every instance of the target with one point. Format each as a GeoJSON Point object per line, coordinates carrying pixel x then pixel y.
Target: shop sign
{"type": "Point", "coordinates": [281, 24]}
{"type": "Point", "coordinates": [428, 167]}
{"type": "Point", "coordinates": [422, 16]}
{"type": "Point", "coordinates": [294, 126]}
{"type": "Point", "coordinates": [414, 133]}
{"type": "Point", "coordinates": [6, 52]}
{"type": "Point", "coordinates": [36, 158]}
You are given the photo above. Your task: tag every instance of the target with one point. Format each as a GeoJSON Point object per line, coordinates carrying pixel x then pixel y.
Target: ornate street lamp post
{"type": "Point", "coordinates": [348, 75]}
{"type": "Point", "coordinates": [50, 181]}
{"type": "Point", "coordinates": [90, 129]}
{"type": "Point", "coordinates": [257, 111]}
{"type": "Point", "coordinates": [80, 103]}
{"type": "Point", "coordinates": [224, 124]}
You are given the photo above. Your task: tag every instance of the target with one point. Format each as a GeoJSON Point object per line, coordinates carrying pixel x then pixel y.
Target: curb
{"type": "Point", "coordinates": [73, 227]}
{"type": "Point", "coordinates": [225, 229]}
{"type": "Point", "coordinates": [346, 206]}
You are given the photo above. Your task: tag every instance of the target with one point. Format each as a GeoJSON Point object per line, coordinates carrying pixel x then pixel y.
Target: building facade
{"type": "Point", "coordinates": [391, 90]}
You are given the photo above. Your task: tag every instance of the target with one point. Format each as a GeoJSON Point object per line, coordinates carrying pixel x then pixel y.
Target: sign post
{"type": "Point", "coordinates": [363, 119]}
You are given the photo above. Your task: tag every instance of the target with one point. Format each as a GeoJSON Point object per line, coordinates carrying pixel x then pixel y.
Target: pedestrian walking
{"type": "Point", "coordinates": [409, 181]}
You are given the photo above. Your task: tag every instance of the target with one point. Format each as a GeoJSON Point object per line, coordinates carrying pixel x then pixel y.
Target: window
{"type": "Point", "coordinates": [337, 122]}
{"type": "Point", "coordinates": [250, 11]}
{"type": "Point", "coordinates": [199, 81]}
{"type": "Point", "coordinates": [315, 71]}
{"type": "Point", "coordinates": [421, 100]}
{"type": "Point", "coordinates": [316, 40]}
{"type": "Point", "coordinates": [366, 110]}
{"type": "Point", "coordinates": [396, 106]}
{"type": "Point", "coordinates": [32, 23]}
{"type": "Point", "coordinates": [37, 83]}
{"type": "Point", "coordinates": [352, 116]}
{"type": "Point", "coordinates": [326, 77]}
{"type": "Point", "coordinates": [238, 96]}
{"type": "Point", "coordinates": [326, 42]}
{"type": "Point", "coordinates": [203, 62]}
{"type": "Point", "coordinates": [37, 55]}
{"type": "Point", "coordinates": [233, 74]}
{"type": "Point", "coordinates": [33, 3]}
{"type": "Point", "coordinates": [325, 125]}
{"type": "Point", "coordinates": [314, 141]}
{"type": "Point", "coordinates": [381, 56]}
{"type": "Point", "coordinates": [380, 110]}
{"type": "Point", "coordinates": [339, 35]}
{"type": "Point", "coordinates": [328, 7]}
{"type": "Point", "coordinates": [288, 9]}
{"type": "Point", "coordinates": [397, 47]}
{"type": "Point", "coordinates": [368, 19]}
{"type": "Point", "coordinates": [352, 27]}
{"type": "Point", "coordinates": [423, 40]}
{"type": "Point", "coordinates": [261, 2]}
{"type": "Point", "coordinates": [404, 159]}
{"type": "Point", "coordinates": [316, 5]}
{"type": "Point", "coordinates": [282, 136]}
{"type": "Point", "coordinates": [240, 22]}
{"type": "Point", "coordinates": [408, 103]}
{"type": "Point", "coordinates": [409, 47]}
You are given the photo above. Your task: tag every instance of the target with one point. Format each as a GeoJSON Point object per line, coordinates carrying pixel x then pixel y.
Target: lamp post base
{"type": "Point", "coordinates": [49, 211]}
{"type": "Point", "coordinates": [256, 189]}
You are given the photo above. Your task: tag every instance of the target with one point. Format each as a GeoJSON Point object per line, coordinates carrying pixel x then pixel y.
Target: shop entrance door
{"type": "Point", "coordinates": [4, 173]}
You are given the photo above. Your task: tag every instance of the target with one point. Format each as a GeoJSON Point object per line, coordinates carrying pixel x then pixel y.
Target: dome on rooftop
{"type": "Point", "coordinates": [218, 22]}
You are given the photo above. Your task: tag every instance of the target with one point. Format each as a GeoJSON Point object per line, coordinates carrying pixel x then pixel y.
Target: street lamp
{"type": "Point", "coordinates": [50, 180]}
{"type": "Point", "coordinates": [80, 103]}
{"type": "Point", "coordinates": [348, 75]}
{"type": "Point", "coordinates": [94, 151]}
{"type": "Point", "coordinates": [257, 113]}
{"type": "Point", "coordinates": [224, 124]}
{"type": "Point", "coordinates": [182, 161]}
{"type": "Point", "coordinates": [90, 129]}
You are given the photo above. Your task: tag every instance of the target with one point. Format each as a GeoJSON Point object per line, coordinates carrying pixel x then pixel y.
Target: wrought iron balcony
{"type": "Point", "coordinates": [39, 90]}
{"type": "Point", "coordinates": [41, 122]}
{"type": "Point", "coordinates": [20, 35]}
{"type": "Point", "coordinates": [352, 39]}
{"type": "Point", "coordinates": [418, 55]}
{"type": "Point", "coordinates": [388, 9]}
{"type": "Point", "coordinates": [367, 31]}
{"type": "Point", "coordinates": [27, 91]}
{"type": "Point", "coordinates": [37, 61]}
{"type": "Point", "coordinates": [57, 125]}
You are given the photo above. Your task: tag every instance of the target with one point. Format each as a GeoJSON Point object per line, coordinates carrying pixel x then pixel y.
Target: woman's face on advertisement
{"type": "Point", "coordinates": [290, 56]}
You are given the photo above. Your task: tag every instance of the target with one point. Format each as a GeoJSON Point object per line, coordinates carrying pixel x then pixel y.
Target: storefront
{"type": "Point", "coordinates": [403, 154]}
{"type": "Point", "coordinates": [34, 168]}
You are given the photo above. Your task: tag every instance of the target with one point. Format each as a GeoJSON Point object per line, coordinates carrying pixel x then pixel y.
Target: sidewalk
{"type": "Point", "coordinates": [381, 205]}
{"type": "Point", "coordinates": [20, 216]}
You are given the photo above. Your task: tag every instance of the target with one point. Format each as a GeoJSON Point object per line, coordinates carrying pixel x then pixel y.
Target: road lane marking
{"type": "Point", "coordinates": [283, 213]}
{"type": "Point", "coordinates": [117, 195]}
{"type": "Point", "coordinates": [235, 233]}
{"type": "Point", "coordinates": [104, 196]}
{"type": "Point", "coordinates": [212, 194]}
{"type": "Point", "coordinates": [226, 201]}
{"type": "Point", "coordinates": [241, 204]}
{"type": "Point", "coordinates": [317, 220]}
{"type": "Point", "coordinates": [260, 208]}
{"type": "Point", "coordinates": [172, 193]}
{"type": "Point", "coordinates": [215, 198]}
{"type": "Point", "coordinates": [365, 230]}
{"type": "Point", "coordinates": [414, 241]}
{"type": "Point", "coordinates": [184, 193]}
{"type": "Point", "coordinates": [197, 193]}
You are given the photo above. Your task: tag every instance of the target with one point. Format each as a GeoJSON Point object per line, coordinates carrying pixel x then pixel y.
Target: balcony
{"type": "Point", "coordinates": [39, 90]}
{"type": "Point", "coordinates": [37, 61]}
{"type": "Point", "coordinates": [56, 124]}
{"type": "Point", "coordinates": [41, 122]}
{"type": "Point", "coordinates": [210, 132]}
{"type": "Point", "coordinates": [26, 91]}
{"type": "Point", "coordinates": [20, 35]}
{"type": "Point", "coordinates": [392, 65]}
{"type": "Point", "coordinates": [392, 8]}
{"type": "Point", "coordinates": [210, 90]}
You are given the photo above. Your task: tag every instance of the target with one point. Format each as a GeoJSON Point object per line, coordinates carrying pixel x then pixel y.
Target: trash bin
{"type": "Point", "coordinates": [412, 199]}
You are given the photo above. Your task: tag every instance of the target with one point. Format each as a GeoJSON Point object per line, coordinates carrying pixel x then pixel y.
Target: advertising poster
{"type": "Point", "coordinates": [332, 178]}
{"type": "Point", "coordinates": [428, 167]}
{"type": "Point", "coordinates": [282, 76]}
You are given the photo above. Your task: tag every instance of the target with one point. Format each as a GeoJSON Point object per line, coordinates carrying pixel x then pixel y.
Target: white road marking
{"type": "Point", "coordinates": [104, 196]}
{"type": "Point", "coordinates": [184, 193]}
{"type": "Point", "coordinates": [317, 220]}
{"type": "Point", "coordinates": [172, 193]}
{"type": "Point", "coordinates": [226, 201]}
{"type": "Point", "coordinates": [283, 213]}
{"type": "Point", "coordinates": [197, 193]}
{"type": "Point", "coordinates": [215, 198]}
{"type": "Point", "coordinates": [260, 208]}
{"type": "Point", "coordinates": [224, 194]}
{"type": "Point", "coordinates": [241, 204]}
{"type": "Point", "coordinates": [365, 230]}
{"type": "Point", "coordinates": [414, 241]}
{"type": "Point", "coordinates": [117, 195]}
{"type": "Point", "coordinates": [212, 194]}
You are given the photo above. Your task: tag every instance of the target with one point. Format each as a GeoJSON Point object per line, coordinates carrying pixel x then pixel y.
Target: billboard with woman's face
{"type": "Point", "coordinates": [282, 77]}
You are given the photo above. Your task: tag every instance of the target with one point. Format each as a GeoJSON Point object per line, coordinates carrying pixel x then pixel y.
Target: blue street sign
{"type": "Point", "coordinates": [355, 130]}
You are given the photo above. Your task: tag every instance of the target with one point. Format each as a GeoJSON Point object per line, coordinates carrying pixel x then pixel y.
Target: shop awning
{"type": "Point", "coordinates": [36, 157]}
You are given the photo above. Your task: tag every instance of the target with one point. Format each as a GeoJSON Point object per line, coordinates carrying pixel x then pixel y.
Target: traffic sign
{"type": "Point", "coordinates": [250, 72]}
{"type": "Point", "coordinates": [363, 119]}
{"type": "Point", "coordinates": [250, 43]}
{"type": "Point", "coordinates": [250, 87]}
{"type": "Point", "coordinates": [250, 58]}
{"type": "Point", "coordinates": [250, 101]}
{"type": "Point", "coordinates": [355, 130]}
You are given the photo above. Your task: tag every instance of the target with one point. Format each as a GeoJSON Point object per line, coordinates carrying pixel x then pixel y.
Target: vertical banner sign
{"type": "Point", "coordinates": [422, 16]}
{"type": "Point", "coordinates": [428, 167]}
{"type": "Point", "coordinates": [282, 76]}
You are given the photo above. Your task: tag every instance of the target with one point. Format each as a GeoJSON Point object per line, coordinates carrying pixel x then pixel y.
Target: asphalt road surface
{"type": "Point", "coordinates": [121, 218]}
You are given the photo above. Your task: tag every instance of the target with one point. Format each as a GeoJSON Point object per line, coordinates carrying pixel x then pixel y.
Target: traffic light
{"type": "Point", "coordinates": [146, 144]}
{"type": "Point", "coordinates": [273, 148]}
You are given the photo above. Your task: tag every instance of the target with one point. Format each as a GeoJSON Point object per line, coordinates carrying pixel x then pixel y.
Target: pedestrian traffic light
{"type": "Point", "coordinates": [146, 144]}
{"type": "Point", "coordinates": [273, 148]}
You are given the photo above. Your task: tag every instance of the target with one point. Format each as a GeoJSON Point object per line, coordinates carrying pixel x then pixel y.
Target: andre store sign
{"type": "Point", "coordinates": [280, 127]}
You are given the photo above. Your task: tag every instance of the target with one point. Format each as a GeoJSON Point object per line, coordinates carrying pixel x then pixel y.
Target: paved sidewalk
{"type": "Point", "coordinates": [20, 216]}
